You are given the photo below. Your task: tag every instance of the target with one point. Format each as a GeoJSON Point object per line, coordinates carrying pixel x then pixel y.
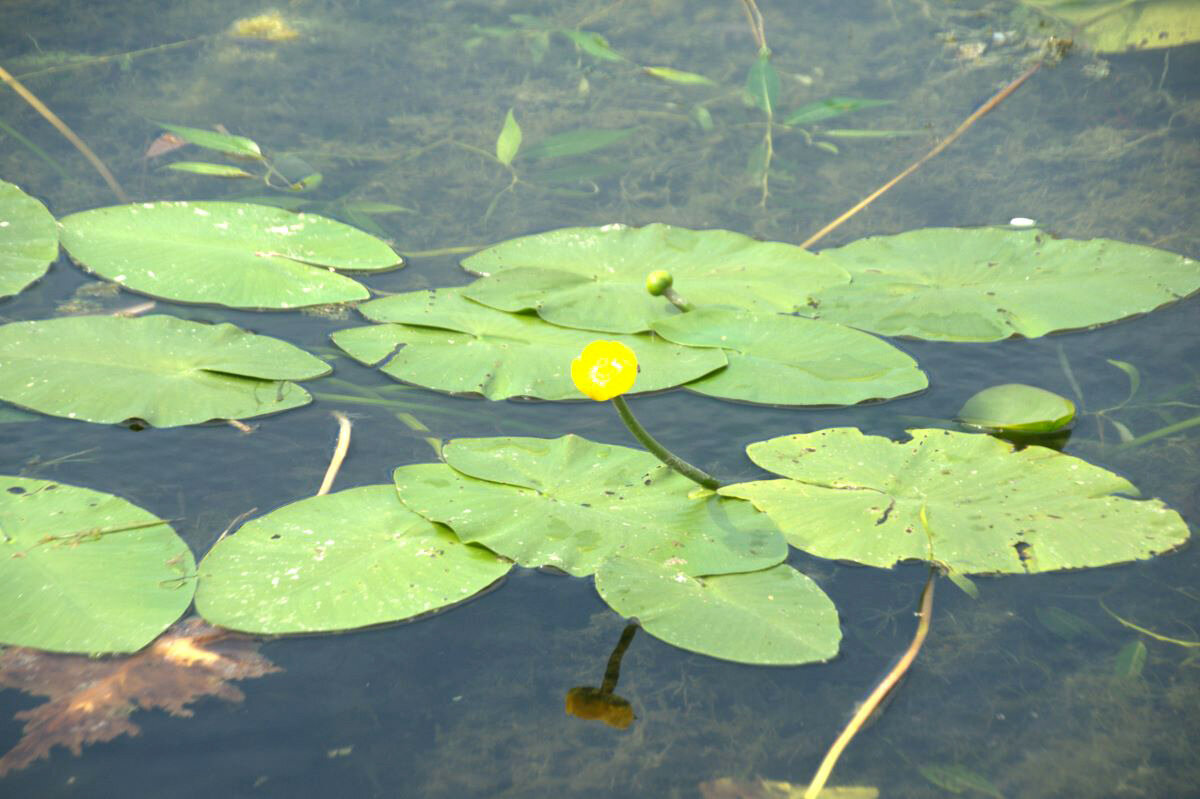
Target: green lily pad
{"type": "Point", "coordinates": [772, 617]}
{"type": "Point", "coordinates": [455, 345]}
{"type": "Point", "coordinates": [571, 503]}
{"type": "Point", "coordinates": [788, 360]}
{"type": "Point", "coordinates": [160, 369]}
{"type": "Point", "coordinates": [1018, 408]}
{"type": "Point", "coordinates": [968, 501]}
{"type": "Point", "coordinates": [595, 278]}
{"type": "Point", "coordinates": [336, 562]}
{"type": "Point", "coordinates": [235, 254]}
{"type": "Point", "coordinates": [987, 284]}
{"type": "Point", "coordinates": [84, 571]}
{"type": "Point", "coordinates": [1115, 26]}
{"type": "Point", "coordinates": [28, 239]}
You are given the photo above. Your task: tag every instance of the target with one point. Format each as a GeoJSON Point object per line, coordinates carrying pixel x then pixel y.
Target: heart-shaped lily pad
{"type": "Point", "coordinates": [775, 616]}
{"type": "Point", "coordinates": [595, 278]}
{"type": "Point", "coordinates": [84, 571]}
{"type": "Point", "coordinates": [160, 369]}
{"type": "Point", "coordinates": [336, 562]}
{"type": "Point", "coordinates": [986, 284]}
{"type": "Point", "coordinates": [28, 239]}
{"type": "Point", "coordinates": [571, 503]}
{"type": "Point", "coordinates": [235, 254]}
{"type": "Point", "coordinates": [455, 345]}
{"type": "Point", "coordinates": [968, 501]}
{"type": "Point", "coordinates": [787, 360]}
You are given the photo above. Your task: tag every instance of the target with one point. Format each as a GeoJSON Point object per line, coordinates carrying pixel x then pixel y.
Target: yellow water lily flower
{"type": "Point", "coordinates": [605, 369]}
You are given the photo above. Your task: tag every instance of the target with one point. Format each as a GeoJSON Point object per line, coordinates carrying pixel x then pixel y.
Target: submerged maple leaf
{"type": "Point", "coordinates": [90, 700]}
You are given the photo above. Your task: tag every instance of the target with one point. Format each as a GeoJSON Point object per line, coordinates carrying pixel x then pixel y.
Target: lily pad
{"type": "Point", "coordinates": [84, 571]}
{"type": "Point", "coordinates": [1115, 26]}
{"type": "Point", "coordinates": [336, 562]}
{"type": "Point", "coordinates": [788, 360]}
{"type": "Point", "coordinates": [595, 278]}
{"type": "Point", "coordinates": [571, 503]}
{"type": "Point", "coordinates": [455, 345]}
{"type": "Point", "coordinates": [772, 617]}
{"type": "Point", "coordinates": [160, 369]}
{"type": "Point", "coordinates": [987, 284]}
{"type": "Point", "coordinates": [235, 254]}
{"type": "Point", "coordinates": [968, 501]}
{"type": "Point", "coordinates": [28, 239]}
{"type": "Point", "coordinates": [1014, 407]}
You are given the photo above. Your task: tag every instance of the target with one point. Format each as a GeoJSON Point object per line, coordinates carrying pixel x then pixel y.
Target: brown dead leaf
{"type": "Point", "coordinates": [91, 699]}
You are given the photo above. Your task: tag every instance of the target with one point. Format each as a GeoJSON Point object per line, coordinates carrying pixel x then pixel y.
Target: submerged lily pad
{"type": "Point", "coordinates": [965, 500]}
{"type": "Point", "coordinates": [775, 616]}
{"type": "Point", "coordinates": [455, 345]}
{"type": "Point", "coordinates": [571, 503]}
{"type": "Point", "coordinates": [235, 254]}
{"type": "Point", "coordinates": [160, 369]}
{"type": "Point", "coordinates": [84, 571]}
{"type": "Point", "coordinates": [987, 284]}
{"type": "Point", "coordinates": [787, 360]}
{"type": "Point", "coordinates": [28, 239]}
{"type": "Point", "coordinates": [336, 562]}
{"type": "Point", "coordinates": [595, 278]}
{"type": "Point", "coordinates": [1017, 408]}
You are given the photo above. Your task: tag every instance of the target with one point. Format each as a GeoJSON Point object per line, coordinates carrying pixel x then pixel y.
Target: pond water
{"type": "Point", "coordinates": [393, 103]}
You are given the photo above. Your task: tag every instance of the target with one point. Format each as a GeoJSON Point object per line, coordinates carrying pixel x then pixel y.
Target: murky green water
{"type": "Point", "coordinates": [387, 100]}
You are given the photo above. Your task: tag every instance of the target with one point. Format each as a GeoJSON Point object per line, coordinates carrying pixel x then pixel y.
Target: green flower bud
{"type": "Point", "coordinates": [658, 281]}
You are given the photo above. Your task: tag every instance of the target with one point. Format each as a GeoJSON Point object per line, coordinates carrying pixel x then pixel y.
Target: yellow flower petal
{"type": "Point", "coordinates": [605, 369]}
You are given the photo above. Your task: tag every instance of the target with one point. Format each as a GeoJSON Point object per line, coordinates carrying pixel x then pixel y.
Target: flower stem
{"type": "Point", "coordinates": [677, 300]}
{"type": "Point", "coordinates": [659, 451]}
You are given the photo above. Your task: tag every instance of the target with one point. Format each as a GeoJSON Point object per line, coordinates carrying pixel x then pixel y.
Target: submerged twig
{"type": "Point", "coordinates": [339, 453]}
{"type": "Point", "coordinates": [885, 686]}
{"type": "Point", "coordinates": [995, 100]}
{"type": "Point", "coordinates": [66, 131]}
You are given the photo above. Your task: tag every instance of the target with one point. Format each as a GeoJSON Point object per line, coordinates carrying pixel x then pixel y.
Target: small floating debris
{"type": "Point", "coordinates": [268, 27]}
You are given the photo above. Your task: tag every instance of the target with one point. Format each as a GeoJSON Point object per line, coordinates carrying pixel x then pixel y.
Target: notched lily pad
{"type": "Point", "coordinates": [595, 278]}
{"type": "Point", "coordinates": [160, 369]}
{"type": "Point", "coordinates": [336, 562]}
{"type": "Point", "coordinates": [571, 503]}
{"type": "Point", "coordinates": [987, 284]}
{"type": "Point", "coordinates": [28, 239]}
{"type": "Point", "coordinates": [788, 360]}
{"type": "Point", "coordinates": [967, 501]}
{"type": "Point", "coordinates": [84, 571]}
{"type": "Point", "coordinates": [452, 344]}
{"type": "Point", "coordinates": [235, 254]}
{"type": "Point", "coordinates": [775, 616]}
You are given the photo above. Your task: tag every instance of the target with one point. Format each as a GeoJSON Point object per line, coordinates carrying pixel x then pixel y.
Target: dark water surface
{"type": "Point", "coordinates": [386, 99]}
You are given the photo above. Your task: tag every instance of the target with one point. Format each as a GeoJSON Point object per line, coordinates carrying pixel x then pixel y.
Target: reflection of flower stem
{"type": "Point", "coordinates": [659, 451]}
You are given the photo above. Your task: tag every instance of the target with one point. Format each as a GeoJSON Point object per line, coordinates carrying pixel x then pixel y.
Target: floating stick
{"type": "Point", "coordinates": [886, 685]}
{"type": "Point", "coordinates": [996, 99]}
{"type": "Point", "coordinates": [339, 453]}
{"type": "Point", "coordinates": [62, 128]}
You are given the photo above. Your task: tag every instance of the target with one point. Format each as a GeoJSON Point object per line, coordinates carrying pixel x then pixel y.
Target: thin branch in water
{"type": "Point", "coordinates": [339, 453]}
{"type": "Point", "coordinates": [942, 145]}
{"type": "Point", "coordinates": [66, 131]}
{"type": "Point", "coordinates": [885, 686]}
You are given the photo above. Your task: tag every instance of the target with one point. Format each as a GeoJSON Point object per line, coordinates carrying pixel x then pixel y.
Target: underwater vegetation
{"type": "Point", "coordinates": [737, 560]}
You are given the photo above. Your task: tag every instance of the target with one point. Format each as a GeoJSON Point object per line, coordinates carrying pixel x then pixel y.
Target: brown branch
{"type": "Point", "coordinates": [942, 145]}
{"type": "Point", "coordinates": [62, 128]}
